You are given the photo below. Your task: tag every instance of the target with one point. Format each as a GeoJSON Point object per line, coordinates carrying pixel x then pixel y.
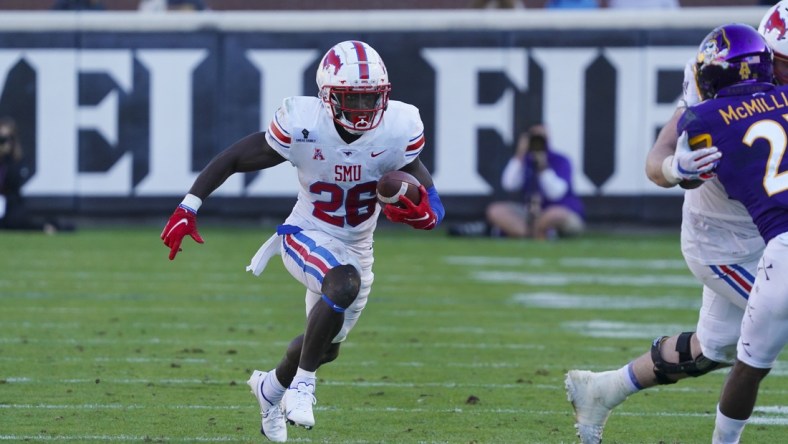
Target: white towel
{"type": "Point", "coordinates": [269, 249]}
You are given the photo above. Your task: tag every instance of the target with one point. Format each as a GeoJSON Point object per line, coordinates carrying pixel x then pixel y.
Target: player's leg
{"type": "Point", "coordinates": [764, 334]}
{"type": "Point", "coordinates": [670, 359]}
{"type": "Point", "coordinates": [508, 217]}
{"type": "Point", "coordinates": [338, 277]}
{"type": "Point", "coordinates": [326, 317]}
{"type": "Point", "coordinates": [737, 402]}
{"type": "Point", "coordinates": [595, 394]}
{"type": "Point", "coordinates": [340, 288]}
{"type": "Point", "coordinates": [322, 264]}
{"type": "Point", "coordinates": [308, 262]}
{"type": "Point", "coordinates": [558, 219]}
{"type": "Point", "coordinates": [693, 354]}
{"type": "Point", "coordinates": [288, 366]}
{"type": "Point", "coordinates": [713, 345]}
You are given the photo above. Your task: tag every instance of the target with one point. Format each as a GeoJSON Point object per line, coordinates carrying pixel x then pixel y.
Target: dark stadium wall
{"type": "Point", "coordinates": [119, 122]}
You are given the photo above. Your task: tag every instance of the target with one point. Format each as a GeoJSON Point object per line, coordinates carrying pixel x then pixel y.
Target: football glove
{"type": "Point", "coordinates": [689, 165]}
{"type": "Point", "coordinates": [420, 217]}
{"type": "Point", "coordinates": [182, 222]}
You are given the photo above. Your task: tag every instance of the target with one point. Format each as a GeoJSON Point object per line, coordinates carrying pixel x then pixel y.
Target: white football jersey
{"type": "Point", "coordinates": [338, 180]}
{"type": "Point", "coordinates": [715, 229]}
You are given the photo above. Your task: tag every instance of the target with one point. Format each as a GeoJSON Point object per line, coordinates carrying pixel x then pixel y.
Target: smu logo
{"type": "Point", "coordinates": [332, 60]}
{"type": "Point", "coordinates": [775, 24]}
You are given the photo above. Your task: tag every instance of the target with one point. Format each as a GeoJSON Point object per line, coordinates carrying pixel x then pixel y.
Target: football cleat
{"type": "Point", "coordinates": [593, 397]}
{"type": "Point", "coordinates": [273, 425]}
{"type": "Point", "coordinates": [298, 405]}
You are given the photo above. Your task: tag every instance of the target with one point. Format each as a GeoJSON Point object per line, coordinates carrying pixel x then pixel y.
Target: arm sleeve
{"type": "Point", "coordinates": [436, 204]}
{"type": "Point", "coordinates": [553, 186]}
{"type": "Point", "coordinates": [513, 175]}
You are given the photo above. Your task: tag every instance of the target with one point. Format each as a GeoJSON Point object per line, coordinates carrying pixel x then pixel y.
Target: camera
{"type": "Point", "coordinates": [537, 143]}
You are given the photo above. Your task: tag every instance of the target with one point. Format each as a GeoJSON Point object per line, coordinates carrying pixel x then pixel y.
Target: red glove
{"type": "Point", "coordinates": [182, 222]}
{"type": "Point", "coordinates": [420, 217]}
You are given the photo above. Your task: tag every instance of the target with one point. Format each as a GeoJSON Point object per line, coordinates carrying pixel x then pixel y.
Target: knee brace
{"type": "Point", "coordinates": [341, 286]}
{"type": "Point", "coordinates": [686, 365]}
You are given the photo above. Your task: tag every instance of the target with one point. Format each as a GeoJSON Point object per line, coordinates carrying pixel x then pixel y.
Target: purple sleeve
{"type": "Point", "coordinates": [561, 166]}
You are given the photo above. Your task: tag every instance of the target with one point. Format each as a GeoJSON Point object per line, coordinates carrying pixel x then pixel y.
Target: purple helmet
{"type": "Point", "coordinates": [733, 59]}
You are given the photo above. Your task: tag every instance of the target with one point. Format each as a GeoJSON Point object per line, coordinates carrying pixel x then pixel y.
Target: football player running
{"type": "Point", "coordinates": [340, 143]}
{"type": "Point", "coordinates": [734, 68]}
{"type": "Point", "coordinates": [721, 246]}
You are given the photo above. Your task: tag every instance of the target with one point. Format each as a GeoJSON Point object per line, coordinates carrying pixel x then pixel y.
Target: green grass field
{"type": "Point", "coordinates": [463, 341]}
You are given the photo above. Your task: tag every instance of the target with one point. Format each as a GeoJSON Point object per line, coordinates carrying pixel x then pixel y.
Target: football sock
{"type": "Point", "coordinates": [303, 376]}
{"type": "Point", "coordinates": [272, 388]}
{"type": "Point", "coordinates": [627, 374]}
{"type": "Point", "coordinates": [727, 430]}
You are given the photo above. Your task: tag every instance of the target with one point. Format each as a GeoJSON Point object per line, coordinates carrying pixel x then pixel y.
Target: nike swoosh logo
{"type": "Point", "coordinates": [425, 217]}
{"type": "Point", "coordinates": [377, 154]}
{"type": "Point", "coordinates": [182, 221]}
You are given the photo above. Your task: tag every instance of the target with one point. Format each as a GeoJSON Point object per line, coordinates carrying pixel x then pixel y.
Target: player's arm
{"type": "Point", "coordinates": [664, 147]}
{"type": "Point", "coordinates": [252, 153]}
{"type": "Point", "coordinates": [429, 212]}
{"type": "Point", "coordinates": [670, 161]}
{"type": "Point", "coordinates": [419, 171]}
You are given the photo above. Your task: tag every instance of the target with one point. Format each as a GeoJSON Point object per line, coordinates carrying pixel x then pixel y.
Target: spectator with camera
{"type": "Point", "coordinates": [14, 214]}
{"type": "Point", "coordinates": [543, 179]}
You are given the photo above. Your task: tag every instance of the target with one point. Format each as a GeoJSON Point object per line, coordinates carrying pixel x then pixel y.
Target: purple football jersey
{"type": "Point", "coordinates": [750, 131]}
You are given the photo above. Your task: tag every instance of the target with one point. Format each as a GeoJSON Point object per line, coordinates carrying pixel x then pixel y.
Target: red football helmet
{"type": "Point", "coordinates": [354, 85]}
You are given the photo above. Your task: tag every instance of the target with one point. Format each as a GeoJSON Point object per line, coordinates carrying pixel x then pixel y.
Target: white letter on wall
{"type": "Point", "coordinates": [171, 123]}
{"type": "Point", "coordinates": [459, 115]}
{"type": "Point", "coordinates": [635, 122]}
{"type": "Point", "coordinates": [104, 119]}
{"type": "Point", "coordinates": [60, 118]}
{"type": "Point", "coordinates": [56, 129]}
{"type": "Point", "coordinates": [281, 74]}
{"type": "Point", "coordinates": [564, 79]}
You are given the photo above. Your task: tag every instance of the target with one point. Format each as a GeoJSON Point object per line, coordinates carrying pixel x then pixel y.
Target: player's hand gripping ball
{"type": "Point", "coordinates": [395, 184]}
{"type": "Point", "coordinates": [405, 201]}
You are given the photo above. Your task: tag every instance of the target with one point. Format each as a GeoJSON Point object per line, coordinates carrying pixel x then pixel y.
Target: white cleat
{"type": "Point", "coordinates": [273, 426]}
{"type": "Point", "coordinates": [593, 396]}
{"type": "Point", "coordinates": [298, 405]}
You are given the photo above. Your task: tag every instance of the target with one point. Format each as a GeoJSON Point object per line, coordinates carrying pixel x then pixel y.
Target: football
{"type": "Point", "coordinates": [395, 184]}
{"type": "Point", "coordinates": [702, 142]}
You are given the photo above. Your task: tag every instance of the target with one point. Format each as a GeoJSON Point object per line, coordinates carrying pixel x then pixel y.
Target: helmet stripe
{"type": "Point", "coordinates": [361, 53]}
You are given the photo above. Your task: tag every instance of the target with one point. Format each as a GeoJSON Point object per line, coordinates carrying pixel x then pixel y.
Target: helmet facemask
{"type": "Point", "coordinates": [357, 109]}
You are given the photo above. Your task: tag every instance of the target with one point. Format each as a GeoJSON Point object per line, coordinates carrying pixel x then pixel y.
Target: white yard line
{"type": "Point", "coordinates": [564, 279]}
{"type": "Point", "coordinates": [763, 415]}
{"type": "Point", "coordinates": [601, 263]}
{"type": "Point", "coordinates": [353, 384]}
{"type": "Point", "coordinates": [622, 302]}
{"type": "Point", "coordinates": [600, 328]}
